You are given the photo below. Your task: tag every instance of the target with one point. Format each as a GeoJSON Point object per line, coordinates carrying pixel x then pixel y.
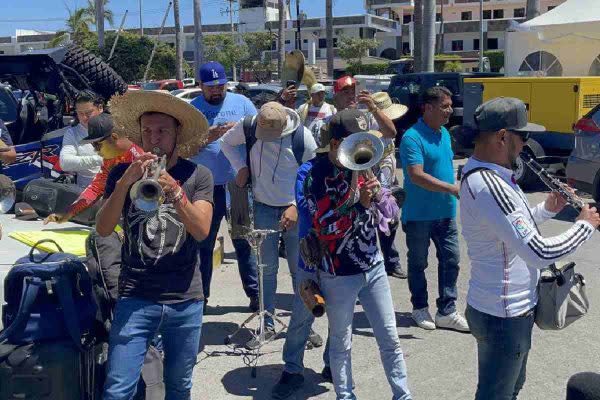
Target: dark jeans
{"type": "Point", "coordinates": [243, 252]}
{"type": "Point", "coordinates": [444, 235]}
{"type": "Point", "coordinates": [388, 248]}
{"type": "Point", "coordinates": [503, 345]}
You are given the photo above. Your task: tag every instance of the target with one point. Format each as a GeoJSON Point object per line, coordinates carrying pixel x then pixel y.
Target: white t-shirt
{"type": "Point", "coordinates": [315, 117]}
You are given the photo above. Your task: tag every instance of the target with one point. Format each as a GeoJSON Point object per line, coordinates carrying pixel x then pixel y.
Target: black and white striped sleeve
{"type": "Point", "coordinates": [500, 206]}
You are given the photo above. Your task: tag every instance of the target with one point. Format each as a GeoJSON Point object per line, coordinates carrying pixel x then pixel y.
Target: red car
{"type": "Point", "coordinates": [165, 84]}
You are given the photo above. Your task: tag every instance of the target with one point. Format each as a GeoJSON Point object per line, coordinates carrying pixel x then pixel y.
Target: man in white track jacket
{"type": "Point", "coordinates": [506, 248]}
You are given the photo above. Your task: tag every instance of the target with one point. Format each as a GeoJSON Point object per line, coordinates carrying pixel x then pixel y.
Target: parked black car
{"type": "Point", "coordinates": [408, 88]}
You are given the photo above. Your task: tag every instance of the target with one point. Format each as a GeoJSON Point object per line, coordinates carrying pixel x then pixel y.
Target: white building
{"type": "Point", "coordinates": [461, 23]}
{"type": "Point", "coordinates": [254, 16]}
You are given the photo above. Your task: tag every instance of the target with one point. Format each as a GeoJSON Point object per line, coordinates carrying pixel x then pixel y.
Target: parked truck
{"type": "Point", "coordinates": [554, 102]}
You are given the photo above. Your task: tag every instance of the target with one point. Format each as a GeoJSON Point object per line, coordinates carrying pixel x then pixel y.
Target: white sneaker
{"type": "Point", "coordinates": [453, 321]}
{"type": "Point", "coordinates": [423, 319]}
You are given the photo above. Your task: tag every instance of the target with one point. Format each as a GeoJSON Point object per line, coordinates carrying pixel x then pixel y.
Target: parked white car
{"type": "Point", "coordinates": [187, 94]}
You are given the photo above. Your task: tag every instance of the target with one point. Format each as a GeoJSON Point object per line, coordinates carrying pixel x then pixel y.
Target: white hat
{"type": "Point", "coordinates": [316, 88]}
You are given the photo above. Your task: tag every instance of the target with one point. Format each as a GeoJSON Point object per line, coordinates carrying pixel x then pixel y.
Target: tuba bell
{"type": "Point", "coordinates": [360, 152]}
{"type": "Point", "coordinates": [147, 194]}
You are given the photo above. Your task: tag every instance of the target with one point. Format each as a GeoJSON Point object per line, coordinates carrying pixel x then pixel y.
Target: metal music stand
{"type": "Point", "coordinates": [256, 238]}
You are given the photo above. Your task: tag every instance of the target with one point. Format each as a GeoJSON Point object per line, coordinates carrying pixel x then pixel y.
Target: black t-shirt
{"type": "Point", "coordinates": [161, 260]}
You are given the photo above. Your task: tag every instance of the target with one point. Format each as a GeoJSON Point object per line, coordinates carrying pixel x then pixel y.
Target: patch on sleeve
{"type": "Point", "coordinates": [522, 227]}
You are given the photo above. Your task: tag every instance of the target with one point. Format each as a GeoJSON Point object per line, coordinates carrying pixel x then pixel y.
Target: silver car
{"type": "Point", "coordinates": [583, 168]}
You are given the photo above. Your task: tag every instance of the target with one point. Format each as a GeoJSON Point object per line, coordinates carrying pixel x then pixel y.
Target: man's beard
{"type": "Point", "coordinates": [215, 99]}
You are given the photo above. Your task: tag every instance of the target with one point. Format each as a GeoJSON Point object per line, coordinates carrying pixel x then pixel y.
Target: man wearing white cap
{"type": "Point", "coordinates": [316, 112]}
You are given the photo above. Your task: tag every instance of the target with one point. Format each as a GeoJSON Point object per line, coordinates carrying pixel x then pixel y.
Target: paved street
{"type": "Point", "coordinates": [441, 364]}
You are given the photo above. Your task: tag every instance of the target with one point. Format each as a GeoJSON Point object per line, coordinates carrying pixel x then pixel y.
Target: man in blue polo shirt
{"type": "Point", "coordinates": [429, 211]}
{"type": "Point", "coordinates": [223, 110]}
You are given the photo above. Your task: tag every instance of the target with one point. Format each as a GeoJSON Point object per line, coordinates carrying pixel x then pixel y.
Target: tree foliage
{"type": "Point", "coordinates": [496, 58]}
{"type": "Point", "coordinates": [132, 54]}
{"type": "Point", "coordinates": [78, 28]}
{"type": "Point", "coordinates": [257, 43]}
{"type": "Point", "coordinates": [108, 14]}
{"type": "Point", "coordinates": [354, 49]}
{"type": "Point", "coordinates": [222, 48]}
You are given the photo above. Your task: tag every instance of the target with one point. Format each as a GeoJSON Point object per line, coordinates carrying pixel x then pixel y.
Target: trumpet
{"type": "Point", "coordinates": [146, 194]}
{"type": "Point", "coordinates": [360, 152]}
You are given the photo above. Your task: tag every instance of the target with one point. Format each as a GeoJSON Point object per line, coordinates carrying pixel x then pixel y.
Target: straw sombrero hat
{"type": "Point", "coordinates": [392, 110]}
{"type": "Point", "coordinates": [128, 108]}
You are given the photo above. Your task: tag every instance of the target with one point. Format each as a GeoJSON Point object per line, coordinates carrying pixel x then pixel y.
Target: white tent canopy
{"type": "Point", "coordinates": [565, 41]}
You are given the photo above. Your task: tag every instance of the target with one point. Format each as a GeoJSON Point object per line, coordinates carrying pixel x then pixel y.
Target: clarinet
{"type": "Point", "coordinates": [553, 183]}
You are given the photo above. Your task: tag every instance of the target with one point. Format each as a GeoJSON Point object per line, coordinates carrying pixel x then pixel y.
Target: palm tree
{"type": "Point", "coordinates": [91, 10]}
{"type": "Point", "coordinates": [429, 35]}
{"type": "Point", "coordinates": [329, 35]}
{"type": "Point", "coordinates": [417, 36]}
{"type": "Point", "coordinates": [281, 38]}
{"type": "Point", "coordinates": [533, 9]}
{"type": "Point", "coordinates": [78, 25]}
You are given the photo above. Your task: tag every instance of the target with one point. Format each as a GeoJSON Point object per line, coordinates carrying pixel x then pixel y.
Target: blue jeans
{"type": "Point", "coordinates": [503, 345]}
{"type": "Point", "coordinates": [444, 234]}
{"type": "Point", "coordinates": [268, 217]}
{"type": "Point", "coordinates": [373, 290]}
{"type": "Point", "coordinates": [135, 323]}
{"type": "Point", "coordinates": [299, 329]}
{"type": "Point", "coordinates": [243, 252]}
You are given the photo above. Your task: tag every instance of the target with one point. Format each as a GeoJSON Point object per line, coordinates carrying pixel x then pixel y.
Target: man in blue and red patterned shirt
{"type": "Point", "coordinates": [345, 220]}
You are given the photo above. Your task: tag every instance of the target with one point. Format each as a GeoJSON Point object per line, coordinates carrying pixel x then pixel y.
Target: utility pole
{"type": "Point", "coordinates": [429, 35]}
{"type": "Point", "coordinates": [230, 11]}
{"type": "Point", "coordinates": [329, 36]}
{"type": "Point", "coordinates": [141, 25]}
{"type": "Point", "coordinates": [298, 37]}
{"type": "Point", "coordinates": [481, 46]}
{"type": "Point", "coordinates": [156, 41]}
{"type": "Point", "coordinates": [281, 39]}
{"type": "Point", "coordinates": [100, 22]}
{"type": "Point", "coordinates": [198, 46]}
{"type": "Point", "coordinates": [178, 46]}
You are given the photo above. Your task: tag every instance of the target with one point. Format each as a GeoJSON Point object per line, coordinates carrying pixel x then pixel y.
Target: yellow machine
{"type": "Point", "coordinates": [554, 102]}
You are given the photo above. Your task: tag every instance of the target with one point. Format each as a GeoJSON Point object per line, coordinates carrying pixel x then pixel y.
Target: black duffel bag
{"type": "Point", "coordinates": [47, 196]}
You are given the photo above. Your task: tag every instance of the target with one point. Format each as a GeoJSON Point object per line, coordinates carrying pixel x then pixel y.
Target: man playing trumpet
{"type": "Point", "coordinates": [352, 267]}
{"type": "Point", "coordinates": [160, 286]}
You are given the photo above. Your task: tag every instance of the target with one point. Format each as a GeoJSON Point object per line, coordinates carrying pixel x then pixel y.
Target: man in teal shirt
{"type": "Point", "coordinates": [429, 211]}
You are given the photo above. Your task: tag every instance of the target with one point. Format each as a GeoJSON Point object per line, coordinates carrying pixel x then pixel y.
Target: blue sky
{"type": "Point", "coordinates": [50, 14]}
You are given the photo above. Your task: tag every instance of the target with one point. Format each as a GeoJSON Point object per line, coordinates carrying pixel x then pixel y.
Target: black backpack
{"type": "Point", "coordinates": [249, 125]}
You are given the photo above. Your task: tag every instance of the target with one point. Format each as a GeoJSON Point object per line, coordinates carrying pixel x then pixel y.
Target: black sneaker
{"type": "Point", "coordinates": [397, 272]}
{"type": "Point", "coordinates": [288, 384]}
{"type": "Point", "coordinates": [315, 339]}
{"type": "Point", "coordinates": [254, 344]}
{"type": "Point", "coordinates": [326, 374]}
{"type": "Point", "coordinates": [253, 303]}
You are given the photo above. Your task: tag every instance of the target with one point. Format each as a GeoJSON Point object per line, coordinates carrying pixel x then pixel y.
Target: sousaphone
{"type": "Point", "coordinates": [295, 69]}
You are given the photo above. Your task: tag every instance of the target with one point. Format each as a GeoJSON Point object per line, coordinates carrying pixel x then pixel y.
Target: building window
{"type": "Point", "coordinates": [438, 17]}
{"type": "Point", "coordinates": [287, 42]}
{"type": "Point", "coordinates": [492, 43]}
{"type": "Point", "coordinates": [305, 41]}
{"type": "Point", "coordinates": [407, 19]}
{"type": "Point", "coordinates": [405, 47]}
{"type": "Point", "coordinates": [335, 42]}
{"type": "Point", "coordinates": [487, 14]}
{"type": "Point", "coordinates": [466, 15]}
{"type": "Point", "coordinates": [322, 43]}
{"type": "Point", "coordinates": [519, 13]}
{"type": "Point", "coordinates": [498, 14]}
{"type": "Point", "coordinates": [551, 7]}
{"type": "Point", "coordinates": [457, 45]}
{"type": "Point", "coordinates": [475, 44]}
{"type": "Point", "coordinates": [274, 44]}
